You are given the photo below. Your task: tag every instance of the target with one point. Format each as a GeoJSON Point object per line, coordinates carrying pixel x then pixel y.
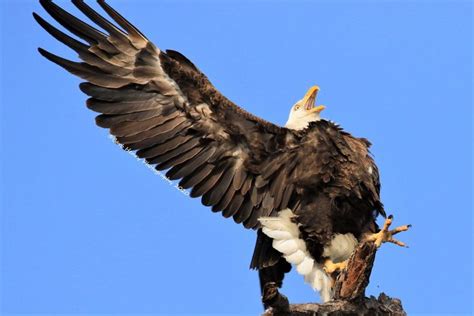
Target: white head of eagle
{"type": "Point", "coordinates": [304, 111]}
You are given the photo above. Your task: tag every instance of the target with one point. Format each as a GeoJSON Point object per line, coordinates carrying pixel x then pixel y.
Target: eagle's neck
{"type": "Point", "coordinates": [302, 122]}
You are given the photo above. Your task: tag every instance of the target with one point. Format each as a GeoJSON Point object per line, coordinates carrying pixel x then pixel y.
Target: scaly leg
{"type": "Point", "coordinates": [271, 278]}
{"type": "Point", "coordinates": [385, 235]}
{"type": "Point", "coordinates": [271, 297]}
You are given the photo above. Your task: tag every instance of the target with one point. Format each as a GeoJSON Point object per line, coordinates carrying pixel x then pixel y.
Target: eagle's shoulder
{"type": "Point", "coordinates": [334, 130]}
{"type": "Point", "coordinates": [325, 129]}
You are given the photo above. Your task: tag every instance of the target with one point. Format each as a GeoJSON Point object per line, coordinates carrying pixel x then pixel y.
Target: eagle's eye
{"type": "Point", "coordinates": [297, 107]}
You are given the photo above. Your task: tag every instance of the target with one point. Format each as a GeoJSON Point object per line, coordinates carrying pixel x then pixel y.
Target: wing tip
{"type": "Point", "coordinates": [85, 87]}
{"type": "Point", "coordinates": [44, 52]}
{"type": "Point", "coordinates": [42, 22]}
{"type": "Point", "coordinates": [66, 64]}
{"type": "Point", "coordinates": [39, 19]}
{"type": "Point", "coordinates": [78, 2]}
{"type": "Point", "coordinates": [46, 3]}
{"type": "Point", "coordinates": [49, 56]}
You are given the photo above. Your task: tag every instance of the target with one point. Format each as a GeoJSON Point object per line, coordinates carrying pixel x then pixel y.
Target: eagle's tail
{"type": "Point", "coordinates": [286, 239]}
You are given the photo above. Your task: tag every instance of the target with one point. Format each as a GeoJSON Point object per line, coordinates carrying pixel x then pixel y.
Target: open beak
{"type": "Point", "coordinates": [310, 99]}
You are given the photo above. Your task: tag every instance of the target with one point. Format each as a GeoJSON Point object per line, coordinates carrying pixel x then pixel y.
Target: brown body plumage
{"type": "Point", "coordinates": [159, 104]}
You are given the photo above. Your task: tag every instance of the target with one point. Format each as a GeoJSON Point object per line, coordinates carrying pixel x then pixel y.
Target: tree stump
{"type": "Point", "coordinates": [349, 292]}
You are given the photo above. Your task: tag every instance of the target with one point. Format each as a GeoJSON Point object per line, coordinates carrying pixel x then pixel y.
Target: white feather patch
{"type": "Point", "coordinates": [296, 258]}
{"type": "Point", "coordinates": [341, 247]}
{"type": "Point", "coordinates": [286, 239]}
{"type": "Point", "coordinates": [306, 266]}
{"type": "Point", "coordinates": [277, 234]}
{"type": "Point", "coordinates": [287, 246]}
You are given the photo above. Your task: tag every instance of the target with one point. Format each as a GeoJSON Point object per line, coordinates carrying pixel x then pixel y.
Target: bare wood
{"type": "Point", "coordinates": [351, 283]}
{"type": "Point", "coordinates": [349, 292]}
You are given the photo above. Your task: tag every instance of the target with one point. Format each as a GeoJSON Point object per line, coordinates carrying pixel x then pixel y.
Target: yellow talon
{"type": "Point", "coordinates": [385, 235]}
{"type": "Point", "coordinates": [331, 267]}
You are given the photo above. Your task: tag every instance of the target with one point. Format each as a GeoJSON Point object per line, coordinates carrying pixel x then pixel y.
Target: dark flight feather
{"type": "Point", "coordinates": [182, 158]}
{"type": "Point", "coordinates": [109, 120]}
{"type": "Point", "coordinates": [154, 158]}
{"type": "Point", "coordinates": [132, 30]}
{"type": "Point", "coordinates": [125, 107]}
{"type": "Point", "coordinates": [196, 177]}
{"type": "Point", "coordinates": [234, 205]}
{"type": "Point", "coordinates": [129, 93]}
{"type": "Point", "coordinates": [181, 171]}
{"type": "Point", "coordinates": [221, 186]}
{"type": "Point", "coordinates": [207, 184]}
{"type": "Point", "coordinates": [225, 200]}
{"type": "Point", "coordinates": [243, 212]}
{"type": "Point", "coordinates": [157, 151]}
{"type": "Point", "coordinates": [100, 20]}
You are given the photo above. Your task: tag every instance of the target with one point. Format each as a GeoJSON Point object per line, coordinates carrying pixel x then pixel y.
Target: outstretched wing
{"type": "Point", "coordinates": [161, 106]}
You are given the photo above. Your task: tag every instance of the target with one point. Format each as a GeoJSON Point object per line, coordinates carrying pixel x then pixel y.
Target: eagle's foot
{"type": "Point", "coordinates": [330, 267]}
{"type": "Point", "coordinates": [271, 297]}
{"type": "Point", "coordinates": [385, 235]}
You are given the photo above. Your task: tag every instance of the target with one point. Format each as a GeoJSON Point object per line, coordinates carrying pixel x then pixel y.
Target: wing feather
{"type": "Point", "coordinates": [234, 205]}
{"type": "Point", "coordinates": [244, 211]}
{"type": "Point", "coordinates": [213, 197]}
{"type": "Point", "coordinates": [158, 150]}
{"type": "Point", "coordinates": [155, 159]}
{"type": "Point", "coordinates": [181, 171]}
{"type": "Point", "coordinates": [160, 105]}
{"type": "Point", "coordinates": [207, 184]}
{"type": "Point", "coordinates": [179, 159]}
{"type": "Point", "coordinates": [225, 200]}
{"type": "Point", "coordinates": [196, 177]}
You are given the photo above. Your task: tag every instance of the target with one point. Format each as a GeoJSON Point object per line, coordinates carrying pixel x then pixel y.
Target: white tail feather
{"type": "Point", "coordinates": [297, 257]}
{"type": "Point", "coordinates": [277, 234]}
{"type": "Point", "coordinates": [286, 246]}
{"type": "Point", "coordinates": [306, 266]}
{"type": "Point", "coordinates": [286, 239]}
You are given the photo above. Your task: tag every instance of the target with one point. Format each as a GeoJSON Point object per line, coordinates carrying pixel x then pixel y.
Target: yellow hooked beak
{"type": "Point", "coordinates": [317, 109]}
{"type": "Point", "coordinates": [310, 99]}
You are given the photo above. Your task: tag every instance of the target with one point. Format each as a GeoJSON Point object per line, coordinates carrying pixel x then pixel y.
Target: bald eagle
{"type": "Point", "coordinates": [309, 189]}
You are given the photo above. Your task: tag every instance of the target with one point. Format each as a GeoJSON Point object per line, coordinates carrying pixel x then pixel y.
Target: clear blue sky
{"type": "Point", "coordinates": [88, 229]}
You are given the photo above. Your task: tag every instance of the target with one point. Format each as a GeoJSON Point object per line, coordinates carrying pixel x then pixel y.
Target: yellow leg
{"type": "Point", "coordinates": [331, 267]}
{"type": "Point", "coordinates": [385, 235]}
